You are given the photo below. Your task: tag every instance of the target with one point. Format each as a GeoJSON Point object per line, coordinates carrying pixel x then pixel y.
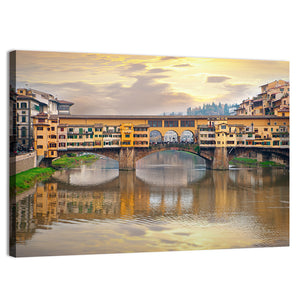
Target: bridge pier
{"type": "Point", "coordinates": [220, 159]}
{"type": "Point", "coordinates": [127, 159]}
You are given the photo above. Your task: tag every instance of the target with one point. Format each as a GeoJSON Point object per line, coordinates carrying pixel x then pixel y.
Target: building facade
{"type": "Point", "coordinates": [54, 134]}
{"type": "Point", "coordinates": [274, 99]}
{"type": "Point", "coordinates": [29, 103]}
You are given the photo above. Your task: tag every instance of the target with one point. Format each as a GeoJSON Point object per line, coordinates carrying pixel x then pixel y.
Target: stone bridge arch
{"type": "Point", "coordinates": [278, 155]}
{"type": "Point", "coordinates": [156, 136]}
{"type": "Point", "coordinates": [206, 154]}
{"type": "Point", "coordinates": [169, 138]}
{"type": "Point", "coordinates": [190, 134]}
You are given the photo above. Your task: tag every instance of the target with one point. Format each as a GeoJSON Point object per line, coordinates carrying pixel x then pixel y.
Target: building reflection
{"type": "Point", "coordinates": [213, 196]}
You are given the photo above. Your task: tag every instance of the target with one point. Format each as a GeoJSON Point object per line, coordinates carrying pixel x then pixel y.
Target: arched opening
{"type": "Point", "coordinates": [155, 137]}
{"type": "Point", "coordinates": [171, 136]}
{"type": "Point", "coordinates": [187, 137]}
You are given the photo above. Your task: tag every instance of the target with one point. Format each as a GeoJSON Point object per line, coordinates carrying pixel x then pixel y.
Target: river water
{"type": "Point", "coordinates": [171, 202]}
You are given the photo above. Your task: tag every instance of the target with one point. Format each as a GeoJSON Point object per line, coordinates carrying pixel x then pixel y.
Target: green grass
{"type": "Point", "coordinates": [269, 163]}
{"type": "Point", "coordinates": [73, 161]}
{"type": "Point", "coordinates": [254, 162]}
{"type": "Point", "coordinates": [25, 180]}
{"type": "Point", "coordinates": [244, 160]}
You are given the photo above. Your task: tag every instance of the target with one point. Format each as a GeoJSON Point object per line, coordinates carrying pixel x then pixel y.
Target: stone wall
{"type": "Point", "coordinates": [127, 159]}
{"type": "Point", "coordinates": [21, 163]}
{"type": "Point", "coordinates": [220, 159]}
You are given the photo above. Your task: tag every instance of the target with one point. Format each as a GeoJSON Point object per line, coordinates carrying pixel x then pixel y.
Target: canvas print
{"type": "Point", "coordinates": [115, 153]}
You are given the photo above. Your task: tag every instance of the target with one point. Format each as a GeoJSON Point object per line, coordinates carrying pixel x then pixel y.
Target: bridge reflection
{"type": "Point", "coordinates": [209, 195]}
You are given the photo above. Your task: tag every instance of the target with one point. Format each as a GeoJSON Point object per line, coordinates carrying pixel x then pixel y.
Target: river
{"type": "Point", "coordinates": [171, 202]}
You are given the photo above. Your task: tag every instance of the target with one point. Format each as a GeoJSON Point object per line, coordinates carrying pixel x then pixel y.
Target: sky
{"type": "Point", "coordinates": [108, 84]}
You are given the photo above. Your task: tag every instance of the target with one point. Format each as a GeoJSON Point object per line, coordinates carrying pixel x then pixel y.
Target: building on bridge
{"type": "Point", "coordinates": [128, 137]}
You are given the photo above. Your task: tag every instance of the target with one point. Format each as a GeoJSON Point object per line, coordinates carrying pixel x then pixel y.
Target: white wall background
{"type": "Point", "coordinates": [227, 29]}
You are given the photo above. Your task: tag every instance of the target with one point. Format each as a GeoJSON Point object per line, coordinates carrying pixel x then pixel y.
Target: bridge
{"type": "Point", "coordinates": [216, 158]}
{"type": "Point", "coordinates": [127, 139]}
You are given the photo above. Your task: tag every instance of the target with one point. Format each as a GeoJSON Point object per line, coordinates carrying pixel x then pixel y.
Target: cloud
{"type": "Point", "coordinates": [157, 70]}
{"type": "Point", "coordinates": [146, 95]}
{"type": "Point", "coordinates": [235, 92]}
{"type": "Point", "coordinates": [182, 65]}
{"type": "Point", "coordinates": [168, 57]}
{"type": "Point", "coordinates": [217, 79]}
{"type": "Point", "coordinates": [132, 68]}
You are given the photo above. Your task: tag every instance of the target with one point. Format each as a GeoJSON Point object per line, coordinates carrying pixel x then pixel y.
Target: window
{"type": "Point", "coordinates": [90, 129]}
{"type": "Point", "coordinates": [155, 123]}
{"type": "Point", "coordinates": [23, 119]}
{"type": "Point", "coordinates": [62, 144]}
{"type": "Point", "coordinates": [187, 123]}
{"type": "Point", "coordinates": [171, 123]}
{"type": "Point", "coordinates": [23, 112]}
{"type": "Point", "coordinates": [39, 137]}
{"type": "Point", "coordinates": [61, 136]}
{"type": "Point", "coordinates": [23, 132]}
{"type": "Point", "coordinates": [127, 135]}
{"type": "Point", "coordinates": [62, 129]}
{"type": "Point", "coordinates": [39, 128]}
{"type": "Point", "coordinates": [52, 128]}
{"type": "Point", "coordinates": [39, 147]}
{"type": "Point", "coordinates": [23, 105]}
{"type": "Point", "coordinates": [223, 126]}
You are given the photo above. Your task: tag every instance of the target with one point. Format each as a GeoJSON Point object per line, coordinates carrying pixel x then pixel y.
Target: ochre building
{"type": "Point", "coordinates": [54, 134]}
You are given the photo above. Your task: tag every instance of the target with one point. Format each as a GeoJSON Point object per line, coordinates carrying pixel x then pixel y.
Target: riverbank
{"type": "Point", "coordinates": [67, 162]}
{"type": "Point", "coordinates": [25, 180]}
{"type": "Point", "coordinates": [254, 163]}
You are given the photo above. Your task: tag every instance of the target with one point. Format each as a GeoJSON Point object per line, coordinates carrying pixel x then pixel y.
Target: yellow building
{"type": "Point", "coordinates": [127, 132]}
{"type": "Point", "coordinates": [141, 134]}
{"type": "Point", "coordinates": [53, 134]}
{"type": "Point", "coordinates": [244, 132]}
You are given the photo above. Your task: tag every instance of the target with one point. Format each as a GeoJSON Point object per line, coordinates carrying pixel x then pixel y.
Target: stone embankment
{"type": "Point", "coordinates": [22, 162]}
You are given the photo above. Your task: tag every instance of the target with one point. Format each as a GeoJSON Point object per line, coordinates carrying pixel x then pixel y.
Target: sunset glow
{"type": "Point", "coordinates": [136, 84]}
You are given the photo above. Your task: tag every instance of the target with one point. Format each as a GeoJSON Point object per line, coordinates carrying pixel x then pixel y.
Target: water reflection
{"type": "Point", "coordinates": [175, 205]}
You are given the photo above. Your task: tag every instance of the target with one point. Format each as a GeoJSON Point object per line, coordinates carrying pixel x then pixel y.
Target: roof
{"type": "Point", "coordinates": [64, 102]}
{"type": "Point", "coordinates": [30, 98]}
{"type": "Point", "coordinates": [142, 125]}
{"type": "Point", "coordinates": [284, 109]}
{"type": "Point", "coordinates": [41, 115]}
